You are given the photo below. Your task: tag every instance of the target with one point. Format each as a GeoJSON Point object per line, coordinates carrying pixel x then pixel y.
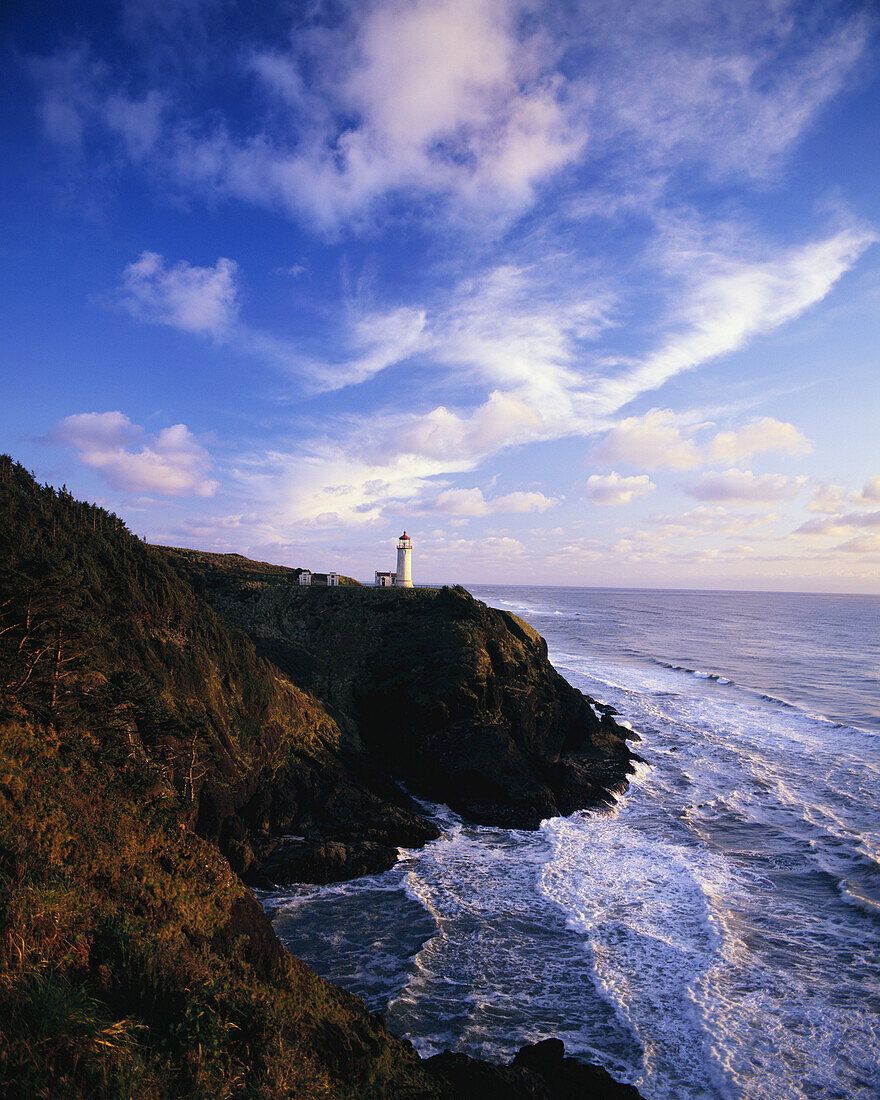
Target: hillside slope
{"type": "Point", "coordinates": [147, 754]}
{"type": "Point", "coordinates": [133, 962]}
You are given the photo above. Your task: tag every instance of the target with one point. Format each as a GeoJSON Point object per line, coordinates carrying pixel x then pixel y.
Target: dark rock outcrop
{"type": "Point", "coordinates": [431, 687]}
{"type": "Point", "coordinates": [321, 861]}
{"type": "Point", "coordinates": [540, 1071]}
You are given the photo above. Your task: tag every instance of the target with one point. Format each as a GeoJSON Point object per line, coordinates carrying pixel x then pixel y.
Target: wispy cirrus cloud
{"type": "Point", "coordinates": [171, 463]}
{"type": "Point", "coordinates": [729, 297]}
{"type": "Point", "coordinates": [733, 95]}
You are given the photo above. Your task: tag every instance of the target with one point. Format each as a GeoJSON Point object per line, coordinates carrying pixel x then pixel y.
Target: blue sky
{"type": "Point", "coordinates": [578, 293]}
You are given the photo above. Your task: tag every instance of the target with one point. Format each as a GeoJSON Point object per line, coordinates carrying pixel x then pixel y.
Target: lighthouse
{"type": "Point", "coordinates": [403, 579]}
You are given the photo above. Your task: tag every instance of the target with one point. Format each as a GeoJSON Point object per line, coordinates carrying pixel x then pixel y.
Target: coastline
{"type": "Point", "coordinates": [741, 859]}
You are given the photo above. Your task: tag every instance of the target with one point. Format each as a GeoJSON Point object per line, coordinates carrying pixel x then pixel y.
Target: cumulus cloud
{"type": "Point", "coordinates": [827, 499]}
{"type": "Point", "coordinates": [472, 502]}
{"type": "Point", "coordinates": [612, 489]}
{"type": "Point", "coordinates": [662, 438]}
{"type": "Point", "coordinates": [761, 435]}
{"type": "Point", "coordinates": [869, 493]}
{"type": "Point", "coordinates": [655, 439]}
{"type": "Point", "coordinates": [194, 299]}
{"type": "Point", "coordinates": [744, 487]}
{"type": "Point", "coordinates": [840, 525]}
{"type": "Point", "coordinates": [171, 463]}
{"type": "Point", "coordinates": [444, 434]}
{"type": "Point", "coordinates": [831, 500]}
{"type": "Point", "coordinates": [445, 98]}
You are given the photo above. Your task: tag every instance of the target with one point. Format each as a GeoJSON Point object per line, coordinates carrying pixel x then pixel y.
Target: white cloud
{"type": "Point", "coordinates": [138, 122]}
{"type": "Point", "coordinates": [446, 436]}
{"type": "Point", "coordinates": [511, 331]}
{"type": "Point", "coordinates": [171, 463]}
{"type": "Point", "coordinates": [840, 525]}
{"type": "Point", "coordinates": [831, 500]}
{"type": "Point", "coordinates": [827, 499]}
{"type": "Point", "coordinates": [733, 94]}
{"type": "Point", "coordinates": [714, 520]}
{"type": "Point", "coordinates": [869, 493]}
{"type": "Point", "coordinates": [655, 439]}
{"type": "Point", "coordinates": [697, 518]}
{"type": "Point", "coordinates": [761, 435]}
{"type": "Point", "coordinates": [381, 340]}
{"type": "Point", "coordinates": [612, 489]}
{"type": "Point", "coordinates": [730, 300]}
{"type": "Point", "coordinates": [742, 486]}
{"type": "Point", "coordinates": [863, 547]}
{"type": "Point", "coordinates": [194, 299]}
{"type": "Point", "coordinates": [448, 98]}
{"type": "Point", "coordinates": [471, 502]}
{"type": "Point", "coordinates": [662, 438]}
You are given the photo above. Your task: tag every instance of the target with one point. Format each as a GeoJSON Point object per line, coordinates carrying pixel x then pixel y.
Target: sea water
{"type": "Point", "coordinates": [717, 933]}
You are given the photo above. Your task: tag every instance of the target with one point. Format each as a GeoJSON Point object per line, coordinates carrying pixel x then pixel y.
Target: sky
{"type": "Point", "coordinates": [576, 292]}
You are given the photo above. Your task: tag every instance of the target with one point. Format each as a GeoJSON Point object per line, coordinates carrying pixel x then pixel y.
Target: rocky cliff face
{"type": "Point", "coordinates": [432, 688]}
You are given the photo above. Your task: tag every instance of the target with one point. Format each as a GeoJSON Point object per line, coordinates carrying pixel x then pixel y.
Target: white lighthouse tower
{"type": "Point", "coordinates": [404, 562]}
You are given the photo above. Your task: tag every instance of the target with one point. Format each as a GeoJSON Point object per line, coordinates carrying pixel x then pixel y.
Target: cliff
{"type": "Point", "coordinates": [456, 699]}
{"type": "Point", "coordinates": [142, 742]}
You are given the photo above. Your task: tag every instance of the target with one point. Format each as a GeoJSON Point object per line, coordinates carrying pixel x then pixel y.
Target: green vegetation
{"type": "Point", "coordinates": [133, 962]}
{"type": "Point", "coordinates": [200, 566]}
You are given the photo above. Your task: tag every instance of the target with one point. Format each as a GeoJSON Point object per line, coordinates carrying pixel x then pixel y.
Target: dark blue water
{"type": "Point", "coordinates": [717, 935]}
{"type": "Point", "coordinates": [819, 652]}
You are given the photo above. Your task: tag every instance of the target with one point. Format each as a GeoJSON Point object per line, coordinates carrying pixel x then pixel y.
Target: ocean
{"type": "Point", "coordinates": [716, 934]}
